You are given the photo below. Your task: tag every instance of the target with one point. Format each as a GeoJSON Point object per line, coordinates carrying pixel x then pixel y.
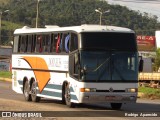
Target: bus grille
{"type": "Point", "coordinates": [109, 91]}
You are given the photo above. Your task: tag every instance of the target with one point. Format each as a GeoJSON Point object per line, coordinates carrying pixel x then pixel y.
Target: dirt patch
{"type": "Point", "coordinates": [148, 96]}
{"type": "Point", "coordinates": [13, 105]}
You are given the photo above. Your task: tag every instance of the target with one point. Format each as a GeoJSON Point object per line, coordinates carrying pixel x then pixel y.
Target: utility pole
{"type": "Point", "coordinates": [37, 13]}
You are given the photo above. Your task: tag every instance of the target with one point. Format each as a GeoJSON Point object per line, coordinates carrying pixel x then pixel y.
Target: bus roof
{"type": "Point", "coordinates": [78, 29]}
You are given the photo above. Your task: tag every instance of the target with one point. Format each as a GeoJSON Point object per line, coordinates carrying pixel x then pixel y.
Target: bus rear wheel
{"type": "Point", "coordinates": [26, 91]}
{"type": "Point", "coordinates": [116, 106]}
{"type": "Point", "coordinates": [34, 96]}
{"type": "Point", "coordinates": [67, 96]}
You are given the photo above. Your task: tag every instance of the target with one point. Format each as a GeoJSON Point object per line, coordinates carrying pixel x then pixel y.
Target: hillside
{"type": "Point", "coordinates": [4, 2]}
{"type": "Point", "coordinates": [77, 12]}
{"type": "Point", "coordinates": [7, 31]}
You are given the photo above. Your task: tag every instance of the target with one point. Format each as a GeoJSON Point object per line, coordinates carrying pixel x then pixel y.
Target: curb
{"type": "Point", "coordinates": [6, 79]}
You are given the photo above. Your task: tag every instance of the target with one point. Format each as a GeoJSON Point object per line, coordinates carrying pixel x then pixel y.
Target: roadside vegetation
{"type": "Point", "coordinates": [8, 30]}
{"type": "Point", "coordinates": [5, 74]}
{"type": "Point", "coordinates": [151, 93]}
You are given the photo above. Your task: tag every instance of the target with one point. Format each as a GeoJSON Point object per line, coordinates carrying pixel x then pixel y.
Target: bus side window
{"type": "Point", "coordinates": [26, 43]}
{"type": "Point", "coordinates": [23, 43]}
{"type": "Point", "coordinates": [74, 42]}
{"type": "Point", "coordinates": [58, 43]}
{"type": "Point", "coordinates": [46, 43]}
{"type": "Point", "coordinates": [19, 43]}
{"type": "Point", "coordinates": [16, 44]}
{"type": "Point", "coordinates": [39, 44]}
{"type": "Point", "coordinates": [67, 38]}
{"type": "Point", "coordinates": [29, 43]}
{"type": "Point", "coordinates": [33, 43]}
{"type": "Point", "coordinates": [62, 42]}
{"type": "Point", "coordinates": [43, 43]}
{"type": "Point", "coordinates": [53, 42]}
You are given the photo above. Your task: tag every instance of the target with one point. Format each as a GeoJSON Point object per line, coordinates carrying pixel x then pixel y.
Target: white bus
{"type": "Point", "coordinates": [78, 64]}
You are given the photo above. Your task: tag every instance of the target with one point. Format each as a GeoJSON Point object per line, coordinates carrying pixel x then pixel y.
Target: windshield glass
{"type": "Point", "coordinates": [124, 66]}
{"type": "Point", "coordinates": [109, 41]}
{"type": "Point", "coordinates": [103, 66]}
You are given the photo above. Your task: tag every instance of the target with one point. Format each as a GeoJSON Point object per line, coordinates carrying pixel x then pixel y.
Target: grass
{"type": "Point", "coordinates": [149, 92]}
{"type": "Point", "coordinates": [5, 74]}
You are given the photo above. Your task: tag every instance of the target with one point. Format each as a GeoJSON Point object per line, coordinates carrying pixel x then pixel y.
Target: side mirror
{"type": "Point", "coordinates": [141, 65]}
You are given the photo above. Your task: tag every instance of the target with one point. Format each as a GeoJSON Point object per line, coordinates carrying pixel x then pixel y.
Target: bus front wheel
{"type": "Point", "coordinates": [34, 96]}
{"type": "Point", "coordinates": [26, 91]}
{"type": "Point", "coordinates": [116, 106]}
{"type": "Point", "coordinates": [67, 96]}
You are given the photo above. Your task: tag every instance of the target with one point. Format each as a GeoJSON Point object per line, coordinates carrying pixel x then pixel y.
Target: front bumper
{"type": "Point", "coordinates": [107, 97]}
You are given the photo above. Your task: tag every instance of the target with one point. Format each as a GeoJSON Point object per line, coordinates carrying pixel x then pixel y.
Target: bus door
{"type": "Point", "coordinates": [74, 56]}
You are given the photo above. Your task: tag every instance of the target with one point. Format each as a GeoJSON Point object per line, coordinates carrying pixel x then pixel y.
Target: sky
{"type": "Point", "coordinates": [152, 7]}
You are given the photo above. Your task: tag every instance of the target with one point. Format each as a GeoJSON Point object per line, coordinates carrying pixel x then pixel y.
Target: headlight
{"type": "Point", "coordinates": [92, 89]}
{"type": "Point", "coordinates": [131, 90]}
{"type": "Point", "coordinates": [88, 90]}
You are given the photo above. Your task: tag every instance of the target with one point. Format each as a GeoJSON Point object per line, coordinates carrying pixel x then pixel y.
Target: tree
{"type": "Point", "coordinates": [156, 65]}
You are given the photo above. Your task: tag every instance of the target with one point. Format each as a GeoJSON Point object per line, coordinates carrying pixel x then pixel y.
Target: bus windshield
{"type": "Point", "coordinates": [109, 41]}
{"type": "Point", "coordinates": [109, 57]}
{"type": "Point", "coordinates": [103, 66]}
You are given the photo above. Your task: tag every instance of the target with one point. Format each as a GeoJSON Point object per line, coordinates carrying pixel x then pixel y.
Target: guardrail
{"type": "Point", "coordinates": [149, 80]}
{"type": "Point", "coordinates": [149, 76]}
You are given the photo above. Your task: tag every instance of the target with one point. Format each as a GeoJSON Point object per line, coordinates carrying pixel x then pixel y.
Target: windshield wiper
{"type": "Point", "coordinates": [97, 68]}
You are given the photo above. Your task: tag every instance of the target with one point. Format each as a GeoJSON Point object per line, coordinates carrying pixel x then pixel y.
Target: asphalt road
{"type": "Point", "coordinates": [11, 101]}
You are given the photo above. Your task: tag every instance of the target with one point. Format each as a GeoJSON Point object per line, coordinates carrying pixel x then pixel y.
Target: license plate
{"type": "Point", "coordinates": [109, 98]}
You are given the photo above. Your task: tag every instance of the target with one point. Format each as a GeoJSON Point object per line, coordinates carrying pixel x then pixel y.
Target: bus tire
{"type": "Point", "coordinates": [63, 93]}
{"type": "Point", "coordinates": [116, 106]}
{"type": "Point", "coordinates": [67, 96]}
{"type": "Point", "coordinates": [26, 91]}
{"type": "Point", "coordinates": [34, 96]}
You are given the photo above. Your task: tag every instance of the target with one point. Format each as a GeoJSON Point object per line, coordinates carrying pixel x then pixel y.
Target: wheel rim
{"type": "Point", "coordinates": [67, 95]}
{"type": "Point", "coordinates": [26, 90]}
{"type": "Point", "coordinates": [33, 90]}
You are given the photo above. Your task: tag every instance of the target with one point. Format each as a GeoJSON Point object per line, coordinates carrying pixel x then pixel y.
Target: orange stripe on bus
{"type": "Point", "coordinates": [42, 77]}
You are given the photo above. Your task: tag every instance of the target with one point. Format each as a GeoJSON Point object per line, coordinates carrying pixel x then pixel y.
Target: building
{"type": "Point", "coordinates": [5, 58]}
